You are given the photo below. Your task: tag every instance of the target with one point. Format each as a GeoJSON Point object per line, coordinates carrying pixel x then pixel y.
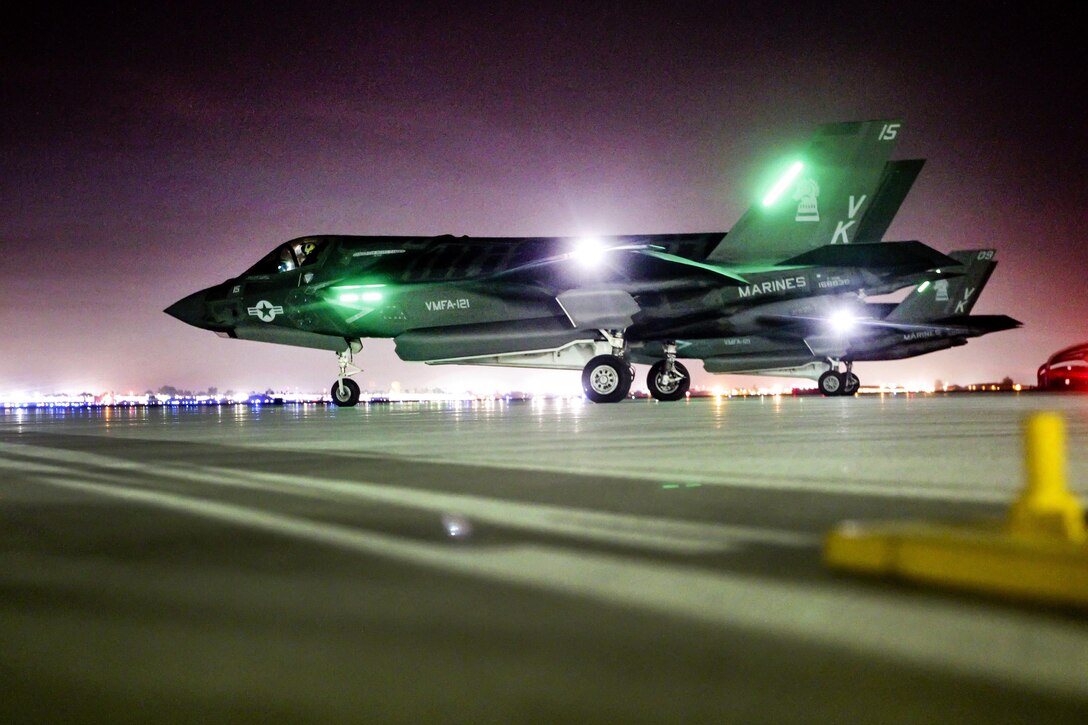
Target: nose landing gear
{"type": "Point", "coordinates": [345, 391]}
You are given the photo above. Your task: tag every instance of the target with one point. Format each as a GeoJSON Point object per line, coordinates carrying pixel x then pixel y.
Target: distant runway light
{"type": "Point", "coordinates": [783, 183]}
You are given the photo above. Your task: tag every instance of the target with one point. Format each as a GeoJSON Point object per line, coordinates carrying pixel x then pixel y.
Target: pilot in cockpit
{"type": "Point", "coordinates": [304, 250]}
{"type": "Point", "coordinates": [287, 260]}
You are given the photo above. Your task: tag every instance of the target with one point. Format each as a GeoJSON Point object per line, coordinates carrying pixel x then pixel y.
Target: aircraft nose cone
{"type": "Point", "coordinates": [190, 309]}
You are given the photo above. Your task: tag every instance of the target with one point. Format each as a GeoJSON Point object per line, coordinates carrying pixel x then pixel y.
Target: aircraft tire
{"type": "Point", "coordinates": [606, 379]}
{"type": "Point", "coordinates": [661, 388]}
{"type": "Point", "coordinates": [850, 385]}
{"type": "Point", "coordinates": [830, 383]}
{"type": "Point", "coordinates": [350, 395]}
{"type": "Point", "coordinates": [629, 380]}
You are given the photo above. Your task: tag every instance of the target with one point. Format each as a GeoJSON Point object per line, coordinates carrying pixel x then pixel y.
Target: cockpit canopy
{"type": "Point", "coordinates": [297, 253]}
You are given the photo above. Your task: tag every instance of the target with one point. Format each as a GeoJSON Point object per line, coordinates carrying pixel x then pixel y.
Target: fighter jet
{"type": "Point", "coordinates": [934, 316]}
{"type": "Point", "coordinates": [808, 246]}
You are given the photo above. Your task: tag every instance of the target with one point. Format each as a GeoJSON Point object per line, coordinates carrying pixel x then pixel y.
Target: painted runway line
{"type": "Point", "coordinates": [1003, 645]}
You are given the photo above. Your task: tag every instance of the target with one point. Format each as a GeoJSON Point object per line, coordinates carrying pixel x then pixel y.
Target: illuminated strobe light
{"type": "Point", "coordinates": [371, 297]}
{"type": "Point", "coordinates": [589, 251]}
{"type": "Point", "coordinates": [842, 322]}
{"type": "Point", "coordinates": [782, 184]}
{"type": "Point", "coordinates": [349, 297]}
{"type": "Point", "coordinates": [922, 287]}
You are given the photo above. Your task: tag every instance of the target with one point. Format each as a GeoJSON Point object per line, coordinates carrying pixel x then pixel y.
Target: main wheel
{"type": "Point", "coordinates": [606, 379]}
{"type": "Point", "coordinates": [850, 384]}
{"type": "Point", "coordinates": [830, 383]}
{"type": "Point", "coordinates": [664, 386]}
{"type": "Point", "coordinates": [347, 397]}
{"type": "Point", "coordinates": [629, 378]}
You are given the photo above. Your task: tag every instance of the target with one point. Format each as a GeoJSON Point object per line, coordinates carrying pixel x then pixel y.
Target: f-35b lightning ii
{"type": "Point", "coordinates": [766, 297]}
{"type": "Point", "coordinates": [934, 316]}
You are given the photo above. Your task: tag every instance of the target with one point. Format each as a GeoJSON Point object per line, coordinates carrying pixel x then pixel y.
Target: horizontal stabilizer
{"type": "Point", "coordinates": [988, 323]}
{"type": "Point", "coordinates": [881, 255]}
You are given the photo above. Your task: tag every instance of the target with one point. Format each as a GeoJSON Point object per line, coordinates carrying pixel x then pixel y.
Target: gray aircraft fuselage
{"type": "Point", "coordinates": [801, 256]}
{"type": "Point", "coordinates": [350, 288]}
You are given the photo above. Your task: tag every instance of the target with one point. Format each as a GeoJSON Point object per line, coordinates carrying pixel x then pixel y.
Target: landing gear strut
{"type": "Point", "coordinates": [834, 382]}
{"type": "Point", "coordinates": [852, 382]}
{"type": "Point", "coordinates": [607, 378]}
{"type": "Point", "coordinates": [345, 391]}
{"type": "Point", "coordinates": [668, 379]}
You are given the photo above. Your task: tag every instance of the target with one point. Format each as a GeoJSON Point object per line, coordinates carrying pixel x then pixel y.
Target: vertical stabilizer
{"type": "Point", "coordinates": [942, 298]}
{"type": "Point", "coordinates": [897, 180]}
{"type": "Point", "coordinates": [820, 198]}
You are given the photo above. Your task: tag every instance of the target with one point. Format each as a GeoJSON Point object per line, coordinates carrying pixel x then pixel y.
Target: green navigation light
{"type": "Point", "coordinates": [922, 287]}
{"type": "Point", "coordinates": [782, 184]}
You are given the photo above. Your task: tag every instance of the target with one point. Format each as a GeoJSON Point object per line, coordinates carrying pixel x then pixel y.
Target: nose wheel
{"type": "Point", "coordinates": [345, 391]}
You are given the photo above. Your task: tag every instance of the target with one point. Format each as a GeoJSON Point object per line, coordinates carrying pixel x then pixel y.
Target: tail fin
{"type": "Point", "coordinates": [896, 181]}
{"type": "Point", "coordinates": [932, 301]}
{"type": "Point", "coordinates": [820, 200]}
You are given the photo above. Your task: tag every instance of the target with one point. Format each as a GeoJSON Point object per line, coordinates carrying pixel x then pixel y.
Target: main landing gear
{"type": "Point", "coordinates": [345, 391]}
{"type": "Point", "coordinates": [668, 379]}
{"type": "Point", "coordinates": [607, 378]}
{"type": "Point", "coordinates": [834, 382]}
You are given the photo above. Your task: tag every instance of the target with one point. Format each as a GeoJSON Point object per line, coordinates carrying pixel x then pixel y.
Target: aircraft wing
{"type": "Point", "coordinates": [579, 257]}
{"type": "Point", "coordinates": [715, 268]}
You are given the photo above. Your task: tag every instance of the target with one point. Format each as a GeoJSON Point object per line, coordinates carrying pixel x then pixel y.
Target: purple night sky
{"type": "Point", "coordinates": [147, 156]}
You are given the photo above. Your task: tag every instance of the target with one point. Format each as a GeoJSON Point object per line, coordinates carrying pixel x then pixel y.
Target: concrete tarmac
{"type": "Point", "coordinates": [526, 562]}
